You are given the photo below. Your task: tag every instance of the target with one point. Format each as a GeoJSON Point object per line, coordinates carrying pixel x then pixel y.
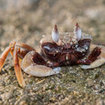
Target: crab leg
{"type": "Point", "coordinates": [18, 69]}
{"type": "Point", "coordinates": [25, 46]}
{"type": "Point", "coordinates": [4, 56]}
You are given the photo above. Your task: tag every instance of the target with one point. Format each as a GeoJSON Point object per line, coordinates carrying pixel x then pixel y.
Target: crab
{"type": "Point", "coordinates": [59, 50]}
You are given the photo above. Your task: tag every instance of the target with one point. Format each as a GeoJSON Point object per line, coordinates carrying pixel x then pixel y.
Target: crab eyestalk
{"type": "Point", "coordinates": [55, 34]}
{"type": "Point", "coordinates": [77, 32]}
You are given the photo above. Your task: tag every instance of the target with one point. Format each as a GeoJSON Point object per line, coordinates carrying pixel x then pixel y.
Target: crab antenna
{"type": "Point", "coordinates": [55, 34]}
{"type": "Point", "coordinates": [77, 31]}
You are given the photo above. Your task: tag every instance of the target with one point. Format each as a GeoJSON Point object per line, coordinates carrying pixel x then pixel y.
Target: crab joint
{"type": "Point", "coordinates": [55, 34]}
{"type": "Point", "coordinates": [77, 31]}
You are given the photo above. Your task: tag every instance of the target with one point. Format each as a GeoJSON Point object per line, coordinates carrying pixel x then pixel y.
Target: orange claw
{"type": "Point", "coordinates": [18, 69]}
{"type": "Point", "coordinates": [4, 56]}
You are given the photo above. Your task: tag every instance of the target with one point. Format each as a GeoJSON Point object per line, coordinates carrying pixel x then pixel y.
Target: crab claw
{"type": "Point", "coordinates": [41, 70]}
{"type": "Point", "coordinates": [30, 67]}
{"type": "Point", "coordinates": [55, 34]}
{"type": "Point", "coordinates": [77, 31]}
{"type": "Point", "coordinates": [100, 61]}
{"type": "Point", "coordinates": [95, 64]}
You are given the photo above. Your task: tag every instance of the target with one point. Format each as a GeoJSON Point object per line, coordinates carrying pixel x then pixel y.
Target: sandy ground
{"type": "Point", "coordinates": [73, 86]}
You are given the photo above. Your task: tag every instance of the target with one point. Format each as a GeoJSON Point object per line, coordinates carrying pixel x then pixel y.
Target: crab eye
{"type": "Point", "coordinates": [77, 31]}
{"type": "Point", "coordinates": [55, 34]}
